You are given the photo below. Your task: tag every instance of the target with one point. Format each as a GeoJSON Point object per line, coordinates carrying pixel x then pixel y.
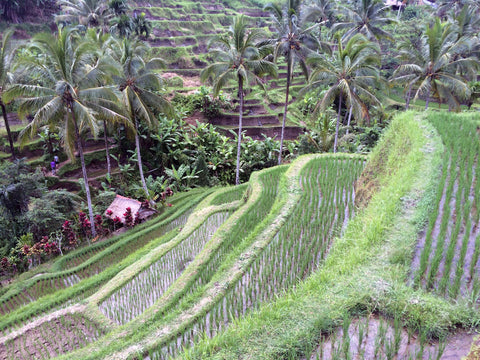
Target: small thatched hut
{"type": "Point", "coordinates": [120, 204]}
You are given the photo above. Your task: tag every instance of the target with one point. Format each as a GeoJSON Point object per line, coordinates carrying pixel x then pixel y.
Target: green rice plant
{"type": "Point", "coordinates": [149, 285]}
{"type": "Point", "coordinates": [295, 251]}
{"type": "Point", "coordinates": [451, 243]}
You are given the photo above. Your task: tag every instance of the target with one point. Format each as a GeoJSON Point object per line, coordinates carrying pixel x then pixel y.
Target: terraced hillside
{"type": "Point", "coordinates": [275, 268]}
{"type": "Point", "coordinates": [181, 35]}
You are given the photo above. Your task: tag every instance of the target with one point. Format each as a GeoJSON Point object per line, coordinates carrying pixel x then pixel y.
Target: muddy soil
{"type": "Point", "coordinates": [376, 338]}
{"type": "Point", "coordinates": [52, 338]}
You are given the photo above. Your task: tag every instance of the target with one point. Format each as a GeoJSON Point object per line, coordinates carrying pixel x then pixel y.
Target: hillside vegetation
{"type": "Point", "coordinates": [353, 230]}
{"type": "Point", "coordinates": [187, 282]}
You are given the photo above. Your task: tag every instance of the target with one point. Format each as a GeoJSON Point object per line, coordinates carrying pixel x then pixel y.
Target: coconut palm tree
{"type": "Point", "coordinates": [367, 17]}
{"type": "Point", "coordinates": [292, 42]}
{"type": "Point", "coordinates": [437, 67]}
{"type": "Point", "coordinates": [240, 58]}
{"type": "Point", "coordinates": [66, 96]}
{"type": "Point", "coordinates": [350, 73]}
{"type": "Point", "coordinates": [139, 88]}
{"type": "Point", "coordinates": [91, 13]}
{"type": "Point", "coordinates": [6, 58]}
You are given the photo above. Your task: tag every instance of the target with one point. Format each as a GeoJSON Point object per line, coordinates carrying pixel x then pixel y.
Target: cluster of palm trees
{"type": "Point", "coordinates": [75, 83]}
{"type": "Point", "coordinates": [110, 16]}
{"type": "Point", "coordinates": [338, 46]}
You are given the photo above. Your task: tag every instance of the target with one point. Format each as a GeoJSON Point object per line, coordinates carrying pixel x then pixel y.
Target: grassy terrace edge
{"type": "Point", "coordinates": [366, 269]}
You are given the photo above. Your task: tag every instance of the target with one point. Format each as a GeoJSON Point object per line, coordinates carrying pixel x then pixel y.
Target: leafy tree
{"type": "Point", "coordinates": [6, 58]}
{"type": "Point", "coordinates": [350, 72]}
{"type": "Point", "coordinates": [139, 87]}
{"type": "Point", "coordinates": [141, 25]}
{"type": "Point", "coordinates": [122, 25]}
{"type": "Point", "coordinates": [66, 97]}
{"type": "Point", "coordinates": [292, 42]}
{"type": "Point", "coordinates": [239, 58]}
{"type": "Point", "coordinates": [435, 65]}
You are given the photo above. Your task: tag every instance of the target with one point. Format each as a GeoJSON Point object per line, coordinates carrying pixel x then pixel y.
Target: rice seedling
{"type": "Point", "coordinates": [372, 338]}
{"type": "Point", "coordinates": [52, 338]}
{"type": "Point", "coordinates": [450, 252]}
{"type": "Point", "coordinates": [295, 251]}
{"type": "Point", "coordinates": [147, 286]}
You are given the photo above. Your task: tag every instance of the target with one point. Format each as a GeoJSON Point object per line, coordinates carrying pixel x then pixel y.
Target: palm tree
{"type": "Point", "coordinates": [292, 42]}
{"type": "Point", "coordinates": [321, 12]}
{"type": "Point", "coordinates": [350, 72]}
{"type": "Point", "coordinates": [5, 63]}
{"type": "Point", "coordinates": [118, 7]}
{"type": "Point", "coordinates": [66, 96]}
{"type": "Point", "coordinates": [139, 88]}
{"type": "Point", "coordinates": [368, 17]}
{"type": "Point", "coordinates": [239, 58]}
{"type": "Point", "coordinates": [436, 65]}
{"type": "Point", "coordinates": [91, 13]}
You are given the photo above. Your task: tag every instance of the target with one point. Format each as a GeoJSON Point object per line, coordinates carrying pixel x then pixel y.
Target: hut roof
{"type": "Point", "coordinates": [120, 205]}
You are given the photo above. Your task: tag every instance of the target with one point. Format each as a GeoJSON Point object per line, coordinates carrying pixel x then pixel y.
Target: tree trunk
{"type": "Point", "coordinates": [409, 94]}
{"type": "Point", "coordinates": [289, 75]}
{"type": "Point", "coordinates": [140, 166]}
{"type": "Point", "coordinates": [85, 176]}
{"type": "Point", "coordinates": [349, 118]}
{"type": "Point", "coordinates": [338, 122]}
{"type": "Point", "coordinates": [7, 126]}
{"type": "Point", "coordinates": [239, 144]}
{"type": "Point", "coordinates": [427, 100]}
{"type": "Point", "coordinates": [109, 167]}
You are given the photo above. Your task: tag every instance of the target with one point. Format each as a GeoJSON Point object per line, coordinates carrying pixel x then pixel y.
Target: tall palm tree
{"type": "Point", "coordinates": [6, 58]}
{"type": "Point", "coordinates": [350, 72]}
{"type": "Point", "coordinates": [367, 17]}
{"type": "Point", "coordinates": [240, 58]}
{"type": "Point", "coordinates": [293, 43]}
{"type": "Point", "coordinates": [66, 97]}
{"type": "Point", "coordinates": [437, 67]}
{"type": "Point", "coordinates": [139, 88]}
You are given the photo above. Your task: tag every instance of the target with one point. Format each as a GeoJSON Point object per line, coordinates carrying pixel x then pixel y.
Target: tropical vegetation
{"type": "Point", "coordinates": [364, 241]}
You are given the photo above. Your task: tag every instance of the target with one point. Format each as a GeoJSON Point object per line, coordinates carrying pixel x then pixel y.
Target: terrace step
{"type": "Point", "coordinates": [257, 132]}
{"type": "Point", "coordinates": [232, 120]}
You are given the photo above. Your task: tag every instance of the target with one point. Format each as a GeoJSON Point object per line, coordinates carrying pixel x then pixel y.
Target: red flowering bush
{"type": "Point", "coordinates": [98, 220]}
{"type": "Point", "coordinates": [69, 235]}
{"type": "Point", "coordinates": [84, 225]}
{"type": "Point", "coordinates": [129, 222]}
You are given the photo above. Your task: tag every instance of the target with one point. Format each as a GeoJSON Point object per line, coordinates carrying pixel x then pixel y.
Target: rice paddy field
{"type": "Point", "coordinates": [333, 256]}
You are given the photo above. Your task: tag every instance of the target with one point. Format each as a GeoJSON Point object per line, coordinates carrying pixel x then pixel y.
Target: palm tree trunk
{"type": "Point", "coordinates": [140, 166]}
{"type": "Point", "coordinates": [349, 118]}
{"type": "Point", "coordinates": [289, 75]}
{"type": "Point", "coordinates": [427, 100]}
{"type": "Point", "coordinates": [109, 167]}
{"type": "Point", "coordinates": [7, 126]}
{"type": "Point", "coordinates": [409, 94]}
{"type": "Point", "coordinates": [338, 122]}
{"type": "Point", "coordinates": [239, 144]}
{"type": "Point", "coordinates": [85, 176]}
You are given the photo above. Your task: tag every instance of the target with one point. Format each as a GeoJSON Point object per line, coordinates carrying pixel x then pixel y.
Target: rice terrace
{"type": "Point", "coordinates": [225, 179]}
